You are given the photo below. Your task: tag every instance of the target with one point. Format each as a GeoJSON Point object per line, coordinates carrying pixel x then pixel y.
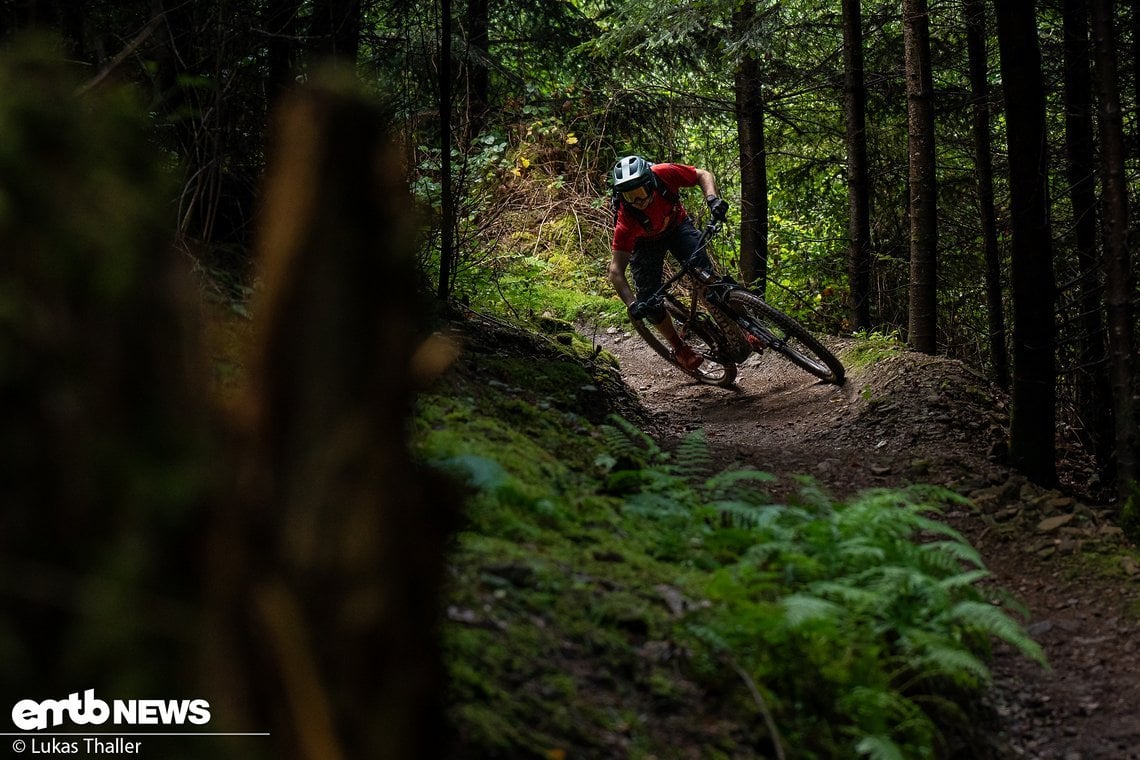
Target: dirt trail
{"type": "Point", "coordinates": [913, 418]}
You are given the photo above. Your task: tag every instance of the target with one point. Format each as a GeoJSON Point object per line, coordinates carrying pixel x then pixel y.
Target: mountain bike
{"type": "Point", "coordinates": [725, 323]}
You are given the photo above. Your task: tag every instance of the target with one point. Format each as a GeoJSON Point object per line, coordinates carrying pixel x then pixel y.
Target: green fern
{"type": "Point", "coordinates": [879, 747]}
{"type": "Point", "coordinates": [871, 606]}
{"type": "Point", "coordinates": [988, 619]}
{"type": "Point", "coordinates": [800, 609]}
{"type": "Point", "coordinates": [656, 506]}
{"type": "Point", "coordinates": [692, 459]}
{"type": "Point", "coordinates": [849, 595]}
{"type": "Point", "coordinates": [624, 441]}
{"type": "Point", "coordinates": [742, 514]}
{"type": "Point", "coordinates": [955, 663]}
{"type": "Point", "coordinates": [739, 484]}
{"type": "Point", "coordinates": [950, 556]}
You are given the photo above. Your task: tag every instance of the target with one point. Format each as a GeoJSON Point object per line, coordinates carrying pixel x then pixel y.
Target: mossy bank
{"type": "Point", "coordinates": [612, 596]}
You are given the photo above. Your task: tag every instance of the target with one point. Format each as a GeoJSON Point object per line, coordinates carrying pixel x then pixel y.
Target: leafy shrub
{"type": "Point", "coordinates": [860, 625]}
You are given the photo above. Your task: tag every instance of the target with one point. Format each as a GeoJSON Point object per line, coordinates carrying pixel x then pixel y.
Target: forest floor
{"type": "Point", "coordinates": [910, 418]}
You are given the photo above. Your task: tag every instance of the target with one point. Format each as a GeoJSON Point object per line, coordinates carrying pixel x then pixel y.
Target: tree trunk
{"type": "Point", "coordinates": [282, 46]}
{"type": "Point", "coordinates": [475, 65]}
{"type": "Point", "coordinates": [984, 173]}
{"type": "Point", "coordinates": [327, 571]}
{"type": "Point", "coordinates": [858, 178]}
{"type": "Point", "coordinates": [1134, 7]}
{"type": "Point", "coordinates": [447, 208]}
{"type": "Point", "coordinates": [1091, 378]}
{"type": "Point", "coordinates": [923, 314]}
{"type": "Point", "coordinates": [753, 165]}
{"type": "Point", "coordinates": [1032, 418]}
{"type": "Point", "coordinates": [1119, 281]}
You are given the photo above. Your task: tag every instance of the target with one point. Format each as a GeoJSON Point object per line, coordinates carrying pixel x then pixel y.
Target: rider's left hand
{"type": "Point", "coordinates": [718, 206]}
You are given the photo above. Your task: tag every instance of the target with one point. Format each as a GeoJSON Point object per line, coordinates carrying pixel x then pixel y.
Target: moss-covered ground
{"type": "Point", "coordinates": [559, 630]}
{"type": "Point", "coordinates": [610, 598]}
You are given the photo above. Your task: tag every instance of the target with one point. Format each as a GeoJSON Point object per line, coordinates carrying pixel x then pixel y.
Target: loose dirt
{"type": "Point", "coordinates": [910, 418]}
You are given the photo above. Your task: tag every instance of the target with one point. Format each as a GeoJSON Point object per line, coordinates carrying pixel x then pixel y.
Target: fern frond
{"type": "Point", "coordinates": [812, 495]}
{"type": "Point", "coordinates": [936, 527]}
{"type": "Point", "coordinates": [655, 506]}
{"type": "Point", "coordinates": [861, 551]}
{"type": "Point", "coordinates": [691, 459]}
{"type": "Point", "coordinates": [849, 595]}
{"type": "Point", "coordinates": [738, 484]}
{"type": "Point", "coordinates": [987, 618]}
{"type": "Point", "coordinates": [804, 608]}
{"type": "Point", "coordinates": [896, 579]}
{"type": "Point", "coordinates": [932, 494]}
{"type": "Point", "coordinates": [949, 555]}
{"type": "Point", "coordinates": [962, 580]}
{"type": "Point", "coordinates": [952, 662]}
{"type": "Point", "coordinates": [879, 747]}
{"type": "Point", "coordinates": [741, 514]}
{"type": "Point", "coordinates": [773, 523]}
{"type": "Point", "coordinates": [624, 439]}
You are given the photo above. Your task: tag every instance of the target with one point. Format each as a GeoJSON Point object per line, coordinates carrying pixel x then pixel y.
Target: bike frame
{"type": "Point", "coordinates": [706, 280]}
{"type": "Point", "coordinates": [759, 321]}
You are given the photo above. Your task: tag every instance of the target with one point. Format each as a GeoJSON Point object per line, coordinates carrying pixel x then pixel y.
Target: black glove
{"type": "Point", "coordinates": [638, 310]}
{"type": "Point", "coordinates": [718, 206]}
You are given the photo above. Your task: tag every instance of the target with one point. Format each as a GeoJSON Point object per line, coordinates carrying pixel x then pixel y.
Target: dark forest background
{"type": "Point", "coordinates": [959, 173]}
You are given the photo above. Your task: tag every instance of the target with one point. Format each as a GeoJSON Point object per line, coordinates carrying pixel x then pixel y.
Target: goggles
{"type": "Point", "coordinates": [637, 194]}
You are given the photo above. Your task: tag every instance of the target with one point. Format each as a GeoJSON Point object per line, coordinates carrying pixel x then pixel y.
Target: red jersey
{"type": "Point", "coordinates": [662, 214]}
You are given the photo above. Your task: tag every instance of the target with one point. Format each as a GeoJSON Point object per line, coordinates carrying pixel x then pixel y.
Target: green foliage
{"type": "Point", "coordinates": [872, 346]}
{"type": "Point", "coordinates": [861, 612]}
{"type": "Point", "coordinates": [1130, 513]}
{"type": "Point", "coordinates": [861, 624]}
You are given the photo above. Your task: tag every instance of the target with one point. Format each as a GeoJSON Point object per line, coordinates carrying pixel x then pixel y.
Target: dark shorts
{"type": "Point", "coordinates": [649, 255]}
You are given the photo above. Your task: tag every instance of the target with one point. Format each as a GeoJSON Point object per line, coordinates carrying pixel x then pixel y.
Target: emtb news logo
{"type": "Point", "coordinates": [30, 715]}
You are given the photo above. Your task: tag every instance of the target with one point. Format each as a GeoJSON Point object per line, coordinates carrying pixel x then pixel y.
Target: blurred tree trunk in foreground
{"type": "Point", "coordinates": [339, 539]}
{"type": "Point", "coordinates": [294, 582]}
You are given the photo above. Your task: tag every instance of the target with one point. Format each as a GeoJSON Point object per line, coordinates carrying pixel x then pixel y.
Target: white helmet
{"type": "Point", "coordinates": [631, 172]}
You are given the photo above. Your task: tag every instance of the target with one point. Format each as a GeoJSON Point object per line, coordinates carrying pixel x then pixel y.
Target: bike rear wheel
{"type": "Point", "coordinates": [786, 336]}
{"type": "Point", "coordinates": [704, 337]}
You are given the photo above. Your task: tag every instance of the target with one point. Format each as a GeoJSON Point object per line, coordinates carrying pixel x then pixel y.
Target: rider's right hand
{"type": "Point", "coordinates": [638, 310]}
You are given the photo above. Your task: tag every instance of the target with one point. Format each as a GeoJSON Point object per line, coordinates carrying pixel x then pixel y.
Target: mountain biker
{"type": "Point", "coordinates": [651, 219]}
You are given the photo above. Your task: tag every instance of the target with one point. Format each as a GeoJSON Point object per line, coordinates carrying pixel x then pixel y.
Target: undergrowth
{"type": "Point", "coordinates": [872, 346]}
{"type": "Point", "coordinates": [612, 596]}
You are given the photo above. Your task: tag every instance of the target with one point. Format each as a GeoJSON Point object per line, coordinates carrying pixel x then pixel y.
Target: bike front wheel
{"type": "Point", "coordinates": [705, 338]}
{"type": "Point", "coordinates": [785, 336]}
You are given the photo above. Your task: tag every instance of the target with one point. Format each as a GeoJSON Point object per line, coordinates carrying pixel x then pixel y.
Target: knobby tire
{"type": "Point", "coordinates": [793, 342]}
{"type": "Point", "coordinates": [705, 339]}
